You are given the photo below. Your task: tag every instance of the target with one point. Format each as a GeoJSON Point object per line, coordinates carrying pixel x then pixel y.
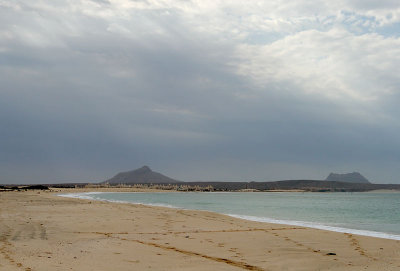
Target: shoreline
{"type": "Point", "coordinates": [42, 231]}
{"type": "Point", "coordinates": [307, 224]}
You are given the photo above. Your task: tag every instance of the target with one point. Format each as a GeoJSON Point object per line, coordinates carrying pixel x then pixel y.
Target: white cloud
{"type": "Point", "coordinates": [335, 64]}
{"type": "Point", "coordinates": [232, 21]}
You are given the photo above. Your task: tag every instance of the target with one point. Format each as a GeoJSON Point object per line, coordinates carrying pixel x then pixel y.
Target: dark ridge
{"type": "Point", "coordinates": [19, 188]}
{"type": "Point", "coordinates": [69, 185]}
{"type": "Point", "coordinates": [36, 187]}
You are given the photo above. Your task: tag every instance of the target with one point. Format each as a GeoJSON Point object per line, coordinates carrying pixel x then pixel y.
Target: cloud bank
{"type": "Point", "coordinates": [199, 90]}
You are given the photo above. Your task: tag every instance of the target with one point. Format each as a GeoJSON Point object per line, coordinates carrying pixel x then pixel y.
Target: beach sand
{"type": "Point", "coordinates": [41, 231]}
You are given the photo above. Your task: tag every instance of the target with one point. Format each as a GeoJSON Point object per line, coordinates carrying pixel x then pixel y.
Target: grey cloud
{"type": "Point", "coordinates": [371, 4]}
{"type": "Point", "coordinates": [91, 99]}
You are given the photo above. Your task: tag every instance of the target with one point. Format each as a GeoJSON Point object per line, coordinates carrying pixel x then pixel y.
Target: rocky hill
{"type": "Point", "coordinates": [143, 175]}
{"type": "Point", "coordinates": [354, 177]}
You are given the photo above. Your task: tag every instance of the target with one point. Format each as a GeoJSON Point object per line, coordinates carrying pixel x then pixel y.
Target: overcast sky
{"type": "Point", "coordinates": [199, 90]}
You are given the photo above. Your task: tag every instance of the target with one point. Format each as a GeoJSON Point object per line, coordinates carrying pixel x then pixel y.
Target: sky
{"type": "Point", "coordinates": [206, 90]}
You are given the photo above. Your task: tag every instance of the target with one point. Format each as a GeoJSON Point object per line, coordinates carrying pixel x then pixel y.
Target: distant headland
{"type": "Point", "coordinates": [144, 177]}
{"type": "Point", "coordinates": [335, 182]}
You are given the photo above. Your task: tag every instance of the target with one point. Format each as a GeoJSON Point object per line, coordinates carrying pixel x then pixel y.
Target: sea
{"type": "Point", "coordinates": [369, 214]}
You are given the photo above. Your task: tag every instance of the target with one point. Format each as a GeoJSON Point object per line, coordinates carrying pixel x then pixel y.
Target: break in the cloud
{"type": "Point", "coordinates": [200, 90]}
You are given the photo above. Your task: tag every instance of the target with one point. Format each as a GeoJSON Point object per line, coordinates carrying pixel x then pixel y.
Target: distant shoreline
{"type": "Point", "coordinates": [216, 187]}
{"type": "Point", "coordinates": [88, 195]}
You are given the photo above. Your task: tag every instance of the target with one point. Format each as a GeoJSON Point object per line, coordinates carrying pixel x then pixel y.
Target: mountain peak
{"type": "Point", "coordinates": [140, 175]}
{"type": "Point", "coordinates": [143, 169]}
{"type": "Point", "coordinates": [354, 177]}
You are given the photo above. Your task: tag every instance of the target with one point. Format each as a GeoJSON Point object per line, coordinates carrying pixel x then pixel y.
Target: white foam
{"type": "Point", "coordinates": [88, 195]}
{"type": "Point", "coordinates": [318, 226]}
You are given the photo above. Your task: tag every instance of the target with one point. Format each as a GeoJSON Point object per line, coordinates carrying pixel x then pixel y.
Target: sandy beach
{"type": "Point", "coordinates": [41, 231]}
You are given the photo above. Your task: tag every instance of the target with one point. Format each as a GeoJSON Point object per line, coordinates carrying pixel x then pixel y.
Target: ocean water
{"type": "Point", "coordinates": [370, 214]}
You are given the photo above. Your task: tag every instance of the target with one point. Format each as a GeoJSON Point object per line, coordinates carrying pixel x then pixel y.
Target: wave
{"type": "Point", "coordinates": [88, 195]}
{"type": "Point", "coordinates": [85, 195]}
{"type": "Point", "coordinates": [318, 226]}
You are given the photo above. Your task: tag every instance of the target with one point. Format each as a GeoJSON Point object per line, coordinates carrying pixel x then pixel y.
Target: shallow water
{"type": "Point", "coordinates": [371, 214]}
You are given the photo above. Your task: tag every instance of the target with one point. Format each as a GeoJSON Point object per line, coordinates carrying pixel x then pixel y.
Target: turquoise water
{"type": "Point", "coordinates": [372, 214]}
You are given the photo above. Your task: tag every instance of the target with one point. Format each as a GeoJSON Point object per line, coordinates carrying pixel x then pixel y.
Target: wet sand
{"type": "Point", "coordinates": [40, 231]}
